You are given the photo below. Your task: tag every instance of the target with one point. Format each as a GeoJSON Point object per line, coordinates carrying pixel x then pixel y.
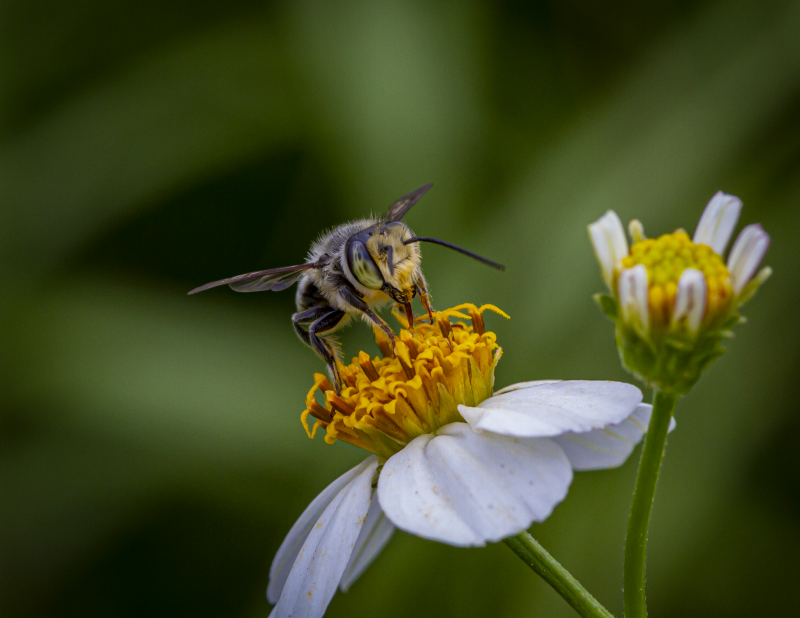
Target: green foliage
{"type": "Point", "coordinates": [151, 453]}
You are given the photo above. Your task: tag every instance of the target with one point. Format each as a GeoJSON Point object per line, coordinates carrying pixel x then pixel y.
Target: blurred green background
{"type": "Point", "coordinates": [151, 453]}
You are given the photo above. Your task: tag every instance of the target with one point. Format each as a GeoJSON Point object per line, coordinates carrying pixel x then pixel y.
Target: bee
{"type": "Point", "coordinates": [351, 271]}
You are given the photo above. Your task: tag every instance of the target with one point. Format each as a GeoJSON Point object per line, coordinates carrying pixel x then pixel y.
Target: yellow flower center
{"type": "Point", "coordinates": [666, 258]}
{"type": "Point", "coordinates": [388, 401]}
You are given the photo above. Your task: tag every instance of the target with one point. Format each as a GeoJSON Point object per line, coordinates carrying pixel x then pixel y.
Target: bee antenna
{"type": "Point", "coordinates": [450, 245]}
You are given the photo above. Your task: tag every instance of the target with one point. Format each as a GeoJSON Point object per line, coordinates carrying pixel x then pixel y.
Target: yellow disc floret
{"type": "Point", "coordinates": [389, 400]}
{"type": "Point", "coordinates": [665, 258]}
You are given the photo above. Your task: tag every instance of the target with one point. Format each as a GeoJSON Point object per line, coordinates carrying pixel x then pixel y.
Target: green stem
{"type": "Point", "coordinates": [548, 568]}
{"type": "Point", "coordinates": [643, 494]}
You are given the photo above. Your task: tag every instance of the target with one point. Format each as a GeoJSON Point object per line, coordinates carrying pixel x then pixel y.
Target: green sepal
{"type": "Point", "coordinates": [678, 344]}
{"type": "Point", "coordinates": [751, 288]}
{"type": "Point", "coordinates": [669, 358]}
{"type": "Point", "coordinates": [608, 305]}
{"type": "Point", "coordinates": [733, 320]}
{"type": "Point", "coordinates": [674, 364]}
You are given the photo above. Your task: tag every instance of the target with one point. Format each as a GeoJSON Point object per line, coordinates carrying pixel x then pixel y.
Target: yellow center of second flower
{"type": "Point", "coordinates": [415, 389]}
{"type": "Point", "coordinates": [665, 258]}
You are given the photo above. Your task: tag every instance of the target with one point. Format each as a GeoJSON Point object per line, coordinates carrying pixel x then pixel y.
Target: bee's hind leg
{"type": "Point", "coordinates": [329, 320]}
{"type": "Point", "coordinates": [305, 321]}
{"type": "Point", "coordinates": [302, 319]}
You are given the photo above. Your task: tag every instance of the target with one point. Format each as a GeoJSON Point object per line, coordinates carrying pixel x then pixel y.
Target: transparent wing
{"type": "Point", "coordinates": [398, 210]}
{"type": "Point", "coordinates": [276, 283]}
{"type": "Point", "coordinates": [275, 279]}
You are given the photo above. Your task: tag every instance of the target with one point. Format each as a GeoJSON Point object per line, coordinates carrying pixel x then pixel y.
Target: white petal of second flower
{"type": "Point", "coordinates": [466, 489]}
{"type": "Point", "coordinates": [552, 408]}
{"type": "Point", "coordinates": [633, 299]}
{"type": "Point", "coordinates": [746, 255]}
{"type": "Point", "coordinates": [690, 301]}
{"type": "Point", "coordinates": [717, 221]}
{"type": "Point", "coordinates": [610, 246]}
{"type": "Point", "coordinates": [322, 560]}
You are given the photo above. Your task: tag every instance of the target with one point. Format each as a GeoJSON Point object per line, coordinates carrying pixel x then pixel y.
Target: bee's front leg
{"type": "Point", "coordinates": [360, 305]}
{"type": "Point", "coordinates": [424, 295]}
{"type": "Point", "coordinates": [387, 330]}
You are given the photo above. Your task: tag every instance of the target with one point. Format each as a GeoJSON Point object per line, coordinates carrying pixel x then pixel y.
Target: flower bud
{"type": "Point", "coordinates": [674, 299]}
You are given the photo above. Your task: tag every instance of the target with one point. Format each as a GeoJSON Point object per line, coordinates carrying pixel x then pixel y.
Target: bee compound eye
{"type": "Point", "coordinates": [363, 266]}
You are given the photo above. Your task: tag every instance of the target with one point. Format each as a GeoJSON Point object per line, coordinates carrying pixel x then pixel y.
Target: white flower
{"type": "Point", "coordinates": [466, 483]}
{"type": "Point", "coordinates": [649, 278]}
{"type": "Point", "coordinates": [673, 295]}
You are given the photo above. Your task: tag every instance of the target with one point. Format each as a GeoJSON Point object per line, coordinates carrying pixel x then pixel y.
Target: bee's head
{"type": "Point", "coordinates": [378, 259]}
{"type": "Point", "coordinates": [385, 256]}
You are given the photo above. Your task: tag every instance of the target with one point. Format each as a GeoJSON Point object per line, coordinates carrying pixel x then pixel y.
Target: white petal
{"type": "Point", "coordinates": [553, 408]}
{"type": "Point", "coordinates": [374, 536]}
{"type": "Point", "coordinates": [717, 221]}
{"type": "Point", "coordinates": [410, 472]}
{"type": "Point", "coordinates": [287, 552]}
{"type": "Point", "coordinates": [690, 300]}
{"type": "Point", "coordinates": [633, 300]}
{"type": "Point", "coordinates": [322, 559]}
{"type": "Point", "coordinates": [610, 245]}
{"type": "Point", "coordinates": [609, 447]}
{"type": "Point", "coordinates": [464, 488]}
{"type": "Point", "coordinates": [746, 255]}
{"type": "Point", "coordinates": [520, 385]}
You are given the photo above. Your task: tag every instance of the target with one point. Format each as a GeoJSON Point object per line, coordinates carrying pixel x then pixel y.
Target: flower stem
{"type": "Point", "coordinates": [639, 519]}
{"type": "Point", "coordinates": [548, 568]}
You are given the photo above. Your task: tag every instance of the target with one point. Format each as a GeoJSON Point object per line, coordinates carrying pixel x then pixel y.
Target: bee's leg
{"type": "Point", "coordinates": [326, 322]}
{"type": "Point", "coordinates": [302, 319]}
{"type": "Point", "coordinates": [358, 303]}
{"type": "Point", "coordinates": [379, 322]}
{"type": "Point", "coordinates": [424, 295]}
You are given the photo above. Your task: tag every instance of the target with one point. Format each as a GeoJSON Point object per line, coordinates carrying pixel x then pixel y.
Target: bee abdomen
{"type": "Point", "coordinates": [308, 295]}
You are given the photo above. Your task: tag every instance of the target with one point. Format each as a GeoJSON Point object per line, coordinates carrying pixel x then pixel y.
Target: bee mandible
{"type": "Point", "coordinates": [352, 270]}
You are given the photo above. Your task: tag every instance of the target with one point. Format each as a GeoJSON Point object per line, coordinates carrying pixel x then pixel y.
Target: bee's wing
{"type": "Point", "coordinates": [276, 279]}
{"type": "Point", "coordinates": [398, 210]}
{"type": "Point", "coordinates": [275, 282]}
